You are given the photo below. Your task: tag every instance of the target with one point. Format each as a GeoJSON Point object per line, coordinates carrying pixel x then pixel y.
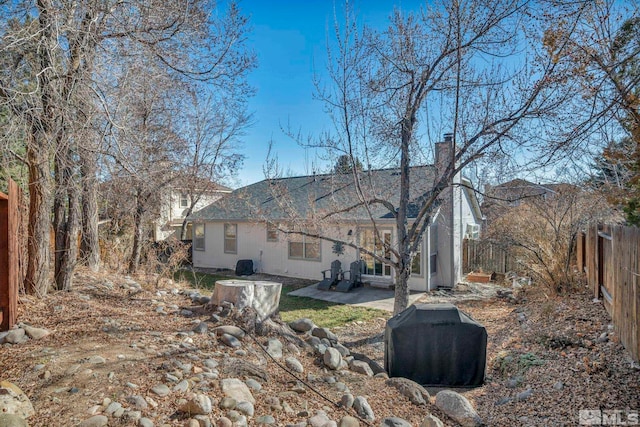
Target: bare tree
{"type": "Point", "coordinates": [603, 57]}
{"type": "Point", "coordinates": [213, 128]}
{"type": "Point", "coordinates": [54, 46]}
{"type": "Point", "coordinates": [540, 232]}
{"type": "Point", "coordinates": [460, 66]}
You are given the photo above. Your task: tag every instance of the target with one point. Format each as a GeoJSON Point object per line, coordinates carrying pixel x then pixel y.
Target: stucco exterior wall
{"type": "Point", "coordinates": [272, 257]}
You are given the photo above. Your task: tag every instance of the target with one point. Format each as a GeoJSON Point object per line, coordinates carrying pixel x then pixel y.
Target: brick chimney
{"type": "Point", "coordinates": [443, 153]}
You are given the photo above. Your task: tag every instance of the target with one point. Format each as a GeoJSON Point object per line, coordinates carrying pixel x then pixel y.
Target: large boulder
{"type": "Point", "coordinates": [262, 296]}
{"type": "Point", "coordinates": [14, 401]}
{"type": "Point", "coordinates": [459, 408]}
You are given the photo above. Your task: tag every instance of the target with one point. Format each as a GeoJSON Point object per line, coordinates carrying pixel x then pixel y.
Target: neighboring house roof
{"type": "Point", "coordinates": [316, 195]}
{"type": "Point", "coordinates": [512, 191]}
{"type": "Point", "coordinates": [200, 184]}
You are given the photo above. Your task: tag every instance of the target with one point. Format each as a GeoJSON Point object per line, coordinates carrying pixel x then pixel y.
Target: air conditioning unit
{"type": "Point", "coordinates": [473, 232]}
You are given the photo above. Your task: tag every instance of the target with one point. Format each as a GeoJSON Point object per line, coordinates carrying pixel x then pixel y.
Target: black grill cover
{"type": "Point", "coordinates": [244, 267]}
{"type": "Point", "coordinates": [436, 344]}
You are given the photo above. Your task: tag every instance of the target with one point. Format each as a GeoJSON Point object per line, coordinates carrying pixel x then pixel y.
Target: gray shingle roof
{"type": "Point", "coordinates": [316, 196]}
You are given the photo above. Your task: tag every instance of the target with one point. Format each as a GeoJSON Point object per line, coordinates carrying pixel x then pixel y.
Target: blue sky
{"type": "Point", "coordinates": [289, 38]}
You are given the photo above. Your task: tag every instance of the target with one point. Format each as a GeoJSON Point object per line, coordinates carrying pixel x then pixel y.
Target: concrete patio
{"type": "Point", "coordinates": [363, 296]}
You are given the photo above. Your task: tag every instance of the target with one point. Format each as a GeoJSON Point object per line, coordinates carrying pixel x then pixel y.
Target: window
{"type": "Point", "coordinates": [198, 237]}
{"type": "Point", "coordinates": [369, 241]}
{"type": "Point", "coordinates": [433, 263]}
{"type": "Point", "coordinates": [230, 238]}
{"type": "Point", "coordinates": [416, 264]}
{"type": "Point", "coordinates": [184, 200]}
{"type": "Point", "coordinates": [304, 247]}
{"type": "Point", "coordinates": [272, 232]}
{"type": "Point", "coordinates": [473, 232]}
{"type": "Point", "coordinates": [433, 249]}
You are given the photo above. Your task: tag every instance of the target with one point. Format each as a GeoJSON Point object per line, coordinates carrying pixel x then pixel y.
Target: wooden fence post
{"type": "Point", "coordinates": [9, 256]}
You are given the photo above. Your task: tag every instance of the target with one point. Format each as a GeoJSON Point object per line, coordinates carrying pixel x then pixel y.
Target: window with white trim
{"type": "Point", "coordinates": [272, 232]}
{"type": "Point", "coordinates": [304, 247]}
{"type": "Point", "coordinates": [433, 249]}
{"type": "Point", "coordinates": [198, 237]}
{"type": "Point", "coordinates": [231, 238]}
{"type": "Point", "coordinates": [416, 264]}
{"type": "Point", "coordinates": [184, 200]}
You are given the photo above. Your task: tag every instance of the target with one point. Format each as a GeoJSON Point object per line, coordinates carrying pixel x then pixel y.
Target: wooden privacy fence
{"type": "Point", "coordinates": [610, 257]}
{"type": "Point", "coordinates": [10, 255]}
{"type": "Point", "coordinates": [485, 255]}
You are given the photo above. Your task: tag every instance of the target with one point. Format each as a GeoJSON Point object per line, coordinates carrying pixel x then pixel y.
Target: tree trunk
{"type": "Point", "coordinates": [66, 217]}
{"type": "Point", "coordinates": [59, 220]}
{"type": "Point", "coordinates": [39, 254]}
{"type": "Point", "coordinates": [401, 296]}
{"type": "Point", "coordinates": [65, 266]}
{"type": "Point", "coordinates": [402, 281]}
{"type": "Point", "coordinates": [39, 146]}
{"type": "Point", "coordinates": [90, 243]}
{"type": "Point", "coordinates": [183, 228]}
{"type": "Point", "coordinates": [136, 251]}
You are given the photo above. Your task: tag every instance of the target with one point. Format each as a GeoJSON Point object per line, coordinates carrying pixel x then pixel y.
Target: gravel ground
{"type": "Point", "coordinates": [547, 357]}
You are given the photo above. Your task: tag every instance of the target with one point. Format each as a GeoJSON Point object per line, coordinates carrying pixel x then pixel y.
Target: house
{"type": "Point", "coordinates": [499, 199]}
{"type": "Point", "coordinates": [175, 203]}
{"type": "Point", "coordinates": [249, 224]}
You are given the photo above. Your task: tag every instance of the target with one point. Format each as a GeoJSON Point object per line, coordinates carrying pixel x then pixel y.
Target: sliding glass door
{"type": "Point", "coordinates": [370, 242]}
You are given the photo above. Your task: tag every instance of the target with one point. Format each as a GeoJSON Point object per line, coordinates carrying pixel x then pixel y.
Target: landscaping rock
{"type": "Point", "coordinates": [15, 336]}
{"type": "Point", "coordinates": [253, 384]}
{"type": "Point", "coordinates": [347, 400]}
{"type": "Point", "coordinates": [431, 421]}
{"type": "Point", "coordinates": [10, 420]}
{"type": "Point", "coordinates": [236, 389]}
{"type": "Point", "coordinates": [137, 402]}
{"type": "Point", "coordinates": [230, 330]}
{"type": "Point", "coordinates": [36, 333]}
{"type": "Point", "coordinates": [332, 358]}
{"type": "Point", "coordinates": [349, 421]}
{"type": "Point", "coordinates": [344, 351]}
{"type": "Point", "coordinates": [274, 348]}
{"type": "Point", "coordinates": [14, 401]}
{"type": "Point", "coordinates": [246, 408]}
{"type": "Point", "coordinates": [95, 421]}
{"type": "Point", "coordinates": [230, 341]}
{"type": "Point", "coordinates": [324, 333]}
{"type": "Point", "coordinates": [413, 391]}
{"type": "Point", "coordinates": [524, 395]}
{"type": "Point", "coordinates": [224, 422]}
{"type": "Point", "coordinates": [198, 404]}
{"type": "Point", "coordinates": [320, 419]}
{"type": "Point", "coordinates": [294, 364]}
{"type": "Point", "coordinates": [145, 422]}
{"type": "Point", "coordinates": [302, 325]}
{"type": "Point", "coordinates": [265, 420]}
{"type": "Point", "coordinates": [361, 367]}
{"type": "Point", "coordinates": [395, 422]}
{"type": "Point", "coordinates": [458, 407]}
{"type": "Point", "coordinates": [161, 390]}
{"type": "Point", "coordinates": [201, 328]}
{"type": "Point", "coordinates": [363, 409]}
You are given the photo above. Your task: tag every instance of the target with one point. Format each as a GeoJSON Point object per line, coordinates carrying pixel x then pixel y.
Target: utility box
{"type": "Point", "coordinates": [436, 344]}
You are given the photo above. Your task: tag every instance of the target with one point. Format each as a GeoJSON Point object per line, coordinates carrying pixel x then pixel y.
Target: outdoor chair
{"type": "Point", "coordinates": [350, 279]}
{"type": "Point", "coordinates": [328, 282]}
